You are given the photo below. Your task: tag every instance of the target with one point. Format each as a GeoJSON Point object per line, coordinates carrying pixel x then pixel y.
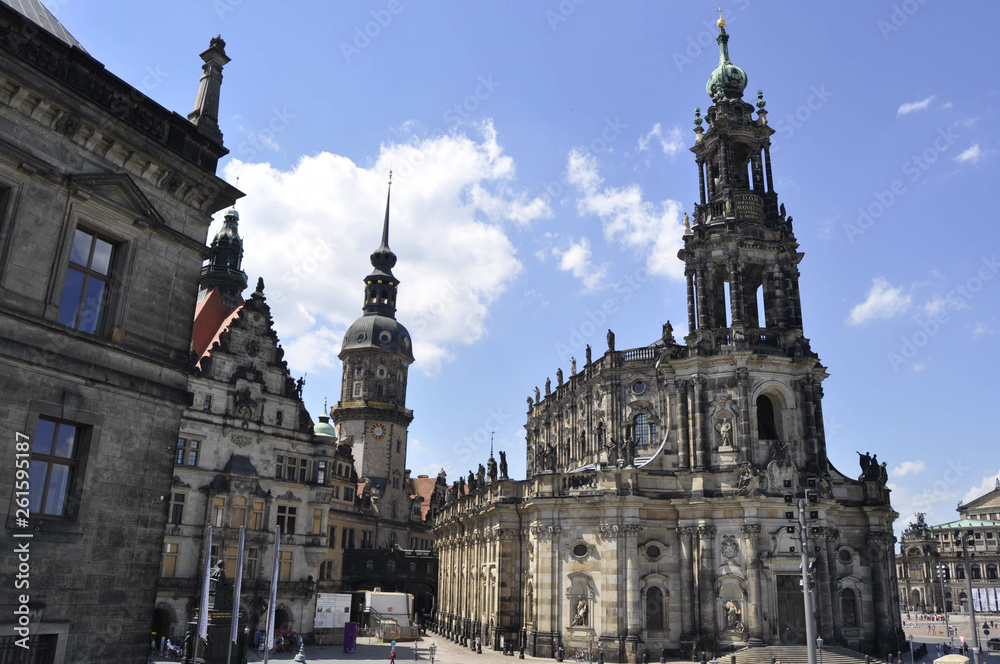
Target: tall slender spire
{"type": "Point", "coordinates": [381, 285]}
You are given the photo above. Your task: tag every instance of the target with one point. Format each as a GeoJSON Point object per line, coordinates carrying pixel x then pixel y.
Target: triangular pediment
{"type": "Point", "coordinates": [985, 501]}
{"type": "Point", "coordinates": [119, 191]}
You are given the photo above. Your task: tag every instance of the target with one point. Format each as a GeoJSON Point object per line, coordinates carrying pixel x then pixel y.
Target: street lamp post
{"type": "Point", "coordinates": [806, 591]}
{"type": "Point", "coordinates": [968, 582]}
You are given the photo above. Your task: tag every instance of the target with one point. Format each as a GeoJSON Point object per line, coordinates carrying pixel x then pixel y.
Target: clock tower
{"type": "Point", "coordinates": [372, 414]}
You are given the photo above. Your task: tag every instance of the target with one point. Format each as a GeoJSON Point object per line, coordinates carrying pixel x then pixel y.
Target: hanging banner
{"type": "Point", "coordinates": [991, 595]}
{"type": "Point", "coordinates": [203, 610]}
{"type": "Point", "coordinates": [269, 636]}
{"type": "Point", "coordinates": [237, 587]}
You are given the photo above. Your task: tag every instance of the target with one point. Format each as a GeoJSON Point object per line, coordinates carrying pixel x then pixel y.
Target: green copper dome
{"type": "Point", "coordinates": [324, 428]}
{"type": "Point", "coordinates": [727, 81]}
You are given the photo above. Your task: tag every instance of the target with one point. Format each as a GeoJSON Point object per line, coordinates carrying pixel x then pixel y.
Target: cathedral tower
{"type": "Point", "coordinates": [225, 269]}
{"type": "Point", "coordinates": [372, 413]}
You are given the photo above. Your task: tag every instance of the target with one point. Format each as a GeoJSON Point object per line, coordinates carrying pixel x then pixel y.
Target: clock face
{"type": "Point", "coordinates": [378, 431]}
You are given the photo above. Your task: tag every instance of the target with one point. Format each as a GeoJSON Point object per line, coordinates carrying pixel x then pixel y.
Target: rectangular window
{"type": "Point", "coordinates": [331, 540]}
{"type": "Point", "coordinates": [279, 470]}
{"type": "Point", "coordinates": [321, 472]}
{"type": "Point", "coordinates": [347, 538]}
{"type": "Point", "coordinates": [257, 515]}
{"type": "Point", "coordinates": [54, 462]}
{"type": "Point", "coordinates": [303, 470]}
{"type": "Point", "coordinates": [366, 539]}
{"type": "Point", "coordinates": [285, 566]}
{"type": "Point", "coordinates": [251, 563]}
{"type": "Point", "coordinates": [232, 553]}
{"type": "Point", "coordinates": [84, 300]}
{"type": "Point", "coordinates": [279, 417]}
{"type": "Point", "coordinates": [239, 513]}
{"type": "Point", "coordinates": [177, 509]}
{"type": "Point", "coordinates": [208, 402]}
{"type": "Point", "coordinates": [326, 570]}
{"type": "Point", "coordinates": [169, 559]}
{"type": "Point", "coordinates": [186, 452]}
{"type": "Point", "coordinates": [218, 511]}
{"type": "Point", "coordinates": [286, 519]}
{"type": "Point", "coordinates": [317, 522]}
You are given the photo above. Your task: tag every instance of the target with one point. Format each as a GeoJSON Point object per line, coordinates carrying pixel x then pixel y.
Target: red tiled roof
{"type": "Point", "coordinates": [423, 487]}
{"type": "Point", "coordinates": [211, 318]}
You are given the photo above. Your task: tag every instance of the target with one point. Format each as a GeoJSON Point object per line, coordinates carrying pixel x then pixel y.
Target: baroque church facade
{"type": "Point", "coordinates": [102, 192]}
{"type": "Point", "coordinates": [248, 454]}
{"type": "Point", "coordinates": [660, 507]}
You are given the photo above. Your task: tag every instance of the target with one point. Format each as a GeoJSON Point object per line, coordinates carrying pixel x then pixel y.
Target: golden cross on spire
{"type": "Point", "coordinates": [722, 21]}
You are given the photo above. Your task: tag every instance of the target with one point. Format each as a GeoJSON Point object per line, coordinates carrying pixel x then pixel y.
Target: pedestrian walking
{"type": "Point", "coordinates": [392, 652]}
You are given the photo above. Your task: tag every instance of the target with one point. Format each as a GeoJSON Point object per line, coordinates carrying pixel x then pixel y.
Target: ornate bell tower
{"type": "Point", "coordinates": [740, 253]}
{"type": "Point", "coordinates": [372, 414]}
{"type": "Point", "coordinates": [741, 263]}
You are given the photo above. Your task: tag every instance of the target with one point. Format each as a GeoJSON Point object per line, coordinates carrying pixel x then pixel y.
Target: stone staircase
{"type": "Point", "coordinates": [797, 655]}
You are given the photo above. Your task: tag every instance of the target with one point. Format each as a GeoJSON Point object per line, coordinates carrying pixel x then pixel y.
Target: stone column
{"type": "Point", "coordinates": [706, 585]}
{"type": "Point", "coordinates": [881, 559]}
{"type": "Point", "coordinates": [767, 169]}
{"type": "Point", "coordinates": [735, 293]}
{"type": "Point", "coordinates": [683, 441]}
{"type": "Point", "coordinates": [744, 441]}
{"type": "Point", "coordinates": [701, 180]}
{"type": "Point", "coordinates": [692, 322]}
{"type": "Point", "coordinates": [634, 596]}
{"type": "Point", "coordinates": [780, 308]}
{"type": "Point", "coordinates": [824, 591]}
{"type": "Point", "coordinates": [808, 421]}
{"type": "Point", "coordinates": [824, 461]}
{"type": "Point", "coordinates": [684, 538]}
{"type": "Point", "coordinates": [755, 620]}
{"type": "Point", "coordinates": [700, 446]}
{"type": "Point", "coordinates": [704, 319]}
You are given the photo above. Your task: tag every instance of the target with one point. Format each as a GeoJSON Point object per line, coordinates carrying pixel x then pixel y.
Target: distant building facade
{"type": "Point", "coordinates": [923, 549]}
{"type": "Point", "coordinates": [102, 193]}
{"type": "Point", "coordinates": [660, 505]}
{"type": "Point", "coordinates": [248, 454]}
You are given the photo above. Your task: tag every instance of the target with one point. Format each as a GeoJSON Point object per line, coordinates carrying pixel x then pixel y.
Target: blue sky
{"type": "Point", "coordinates": [542, 165]}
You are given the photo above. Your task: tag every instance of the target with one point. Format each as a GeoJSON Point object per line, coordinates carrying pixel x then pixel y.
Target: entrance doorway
{"type": "Point", "coordinates": [791, 612]}
{"type": "Point", "coordinates": [161, 624]}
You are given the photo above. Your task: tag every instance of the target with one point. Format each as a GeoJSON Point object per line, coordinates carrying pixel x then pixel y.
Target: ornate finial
{"type": "Point", "coordinates": [260, 284]}
{"type": "Point", "coordinates": [721, 22]}
{"type": "Point", "coordinates": [325, 407]}
{"type": "Point", "coordinates": [687, 224]}
{"type": "Point", "coordinates": [760, 99]}
{"type": "Point", "coordinates": [491, 443]}
{"type": "Point", "coordinates": [390, 177]}
{"type": "Point", "coordinates": [697, 117]}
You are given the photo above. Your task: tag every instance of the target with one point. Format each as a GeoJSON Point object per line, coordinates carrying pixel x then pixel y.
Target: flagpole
{"type": "Point", "coordinates": [202, 628]}
{"type": "Point", "coordinates": [235, 618]}
{"type": "Point", "coordinates": [269, 634]}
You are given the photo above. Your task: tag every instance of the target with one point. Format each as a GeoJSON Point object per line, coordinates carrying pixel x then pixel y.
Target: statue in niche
{"type": "Point", "coordinates": [550, 456]}
{"type": "Point", "coordinates": [734, 616]}
{"type": "Point", "coordinates": [725, 429]}
{"type": "Point", "coordinates": [503, 465]}
{"type": "Point", "coordinates": [580, 617]}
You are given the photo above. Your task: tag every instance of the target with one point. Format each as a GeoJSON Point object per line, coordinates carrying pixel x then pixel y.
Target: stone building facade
{"type": "Point", "coordinates": [923, 549]}
{"type": "Point", "coordinates": [102, 193]}
{"type": "Point", "coordinates": [248, 454]}
{"type": "Point", "coordinates": [660, 508]}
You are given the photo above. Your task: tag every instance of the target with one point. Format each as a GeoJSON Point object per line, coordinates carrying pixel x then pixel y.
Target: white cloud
{"type": "Point", "coordinates": [970, 155]}
{"type": "Point", "coordinates": [309, 231]}
{"type": "Point", "coordinates": [981, 329]}
{"type": "Point", "coordinates": [987, 484]}
{"type": "Point", "coordinates": [912, 106]}
{"type": "Point", "coordinates": [576, 259]}
{"type": "Point", "coordinates": [653, 231]}
{"type": "Point", "coordinates": [671, 143]}
{"type": "Point", "coordinates": [908, 468]}
{"type": "Point", "coordinates": [883, 301]}
{"type": "Point", "coordinates": [918, 366]}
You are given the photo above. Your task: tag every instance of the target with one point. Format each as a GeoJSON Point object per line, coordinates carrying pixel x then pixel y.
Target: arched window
{"type": "Point", "coordinates": [645, 431]}
{"type": "Point", "coordinates": [960, 572]}
{"type": "Point", "coordinates": [849, 607]}
{"type": "Point", "coordinates": [654, 608]}
{"type": "Point", "coordinates": [976, 573]}
{"type": "Point", "coordinates": [991, 572]}
{"type": "Point", "coordinates": [766, 429]}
